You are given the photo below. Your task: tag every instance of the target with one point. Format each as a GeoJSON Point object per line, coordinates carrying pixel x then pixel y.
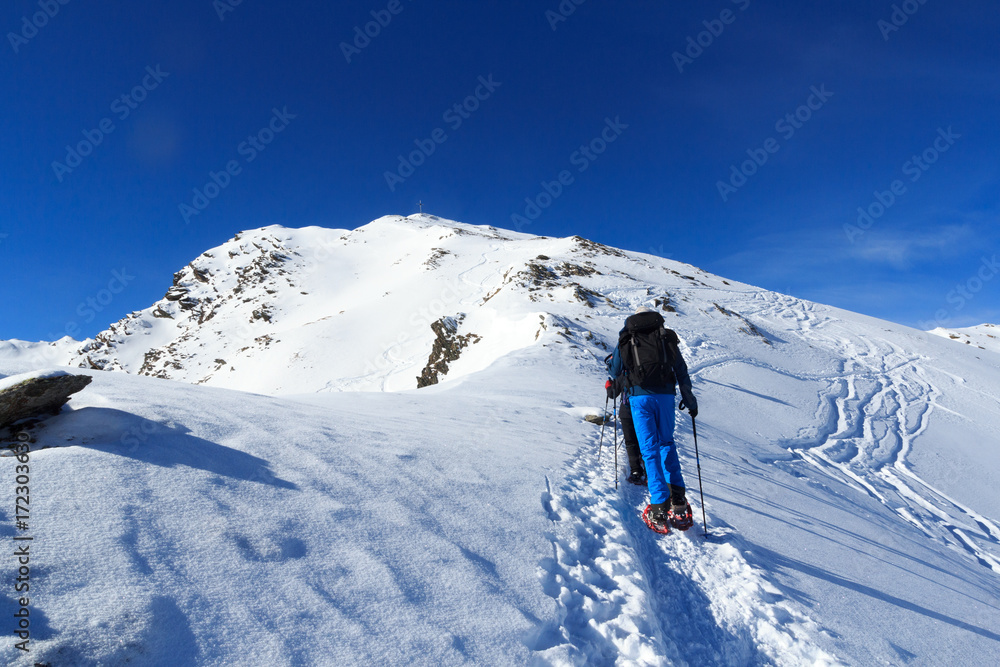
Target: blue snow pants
{"type": "Point", "coordinates": [653, 415]}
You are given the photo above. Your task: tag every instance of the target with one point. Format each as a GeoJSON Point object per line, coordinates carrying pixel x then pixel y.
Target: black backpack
{"type": "Point", "coordinates": [647, 351]}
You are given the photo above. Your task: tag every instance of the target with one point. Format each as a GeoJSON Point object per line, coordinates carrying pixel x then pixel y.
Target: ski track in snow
{"type": "Point", "coordinates": [627, 596]}
{"type": "Point", "coordinates": [867, 422]}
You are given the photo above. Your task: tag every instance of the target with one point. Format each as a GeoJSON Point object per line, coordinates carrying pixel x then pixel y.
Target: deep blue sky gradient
{"type": "Point", "coordinates": [654, 189]}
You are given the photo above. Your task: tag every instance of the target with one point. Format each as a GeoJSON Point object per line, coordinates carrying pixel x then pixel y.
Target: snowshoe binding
{"type": "Point", "coordinates": [656, 519]}
{"type": "Point", "coordinates": [680, 516]}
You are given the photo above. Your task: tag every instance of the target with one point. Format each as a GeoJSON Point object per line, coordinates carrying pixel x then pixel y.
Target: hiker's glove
{"type": "Point", "coordinates": [610, 387]}
{"type": "Point", "coordinates": [689, 403]}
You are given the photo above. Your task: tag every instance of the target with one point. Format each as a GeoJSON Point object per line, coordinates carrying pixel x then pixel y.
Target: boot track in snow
{"type": "Point", "coordinates": [628, 596]}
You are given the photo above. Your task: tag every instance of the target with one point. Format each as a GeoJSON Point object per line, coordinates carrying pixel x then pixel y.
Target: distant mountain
{"type": "Point", "coordinates": [394, 304]}
{"type": "Point", "coordinates": [983, 336]}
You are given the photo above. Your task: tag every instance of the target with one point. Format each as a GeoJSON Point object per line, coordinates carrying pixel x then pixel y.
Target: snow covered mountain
{"type": "Point", "coordinates": [278, 310]}
{"type": "Point", "coordinates": [984, 336]}
{"type": "Point", "coordinates": [368, 517]}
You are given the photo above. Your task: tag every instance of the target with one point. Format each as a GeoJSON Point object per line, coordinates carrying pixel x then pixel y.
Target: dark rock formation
{"type": "Point", "coordinates": [38, 396]}
{"type": "Point", "coordinates": [448, 347]}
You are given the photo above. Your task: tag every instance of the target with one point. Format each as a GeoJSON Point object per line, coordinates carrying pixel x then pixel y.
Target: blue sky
{"type": "Point", "coordinates": [831, 104]}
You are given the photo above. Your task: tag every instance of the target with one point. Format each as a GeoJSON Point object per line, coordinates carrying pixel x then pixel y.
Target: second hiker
{"type": "Point", "coordinates": [637, 475]}
{"type": "Point", "coordinates": [648, 363]}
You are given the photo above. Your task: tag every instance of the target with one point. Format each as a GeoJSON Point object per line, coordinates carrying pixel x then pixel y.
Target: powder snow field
{"type": "Point", "coordinates": [339, 516]}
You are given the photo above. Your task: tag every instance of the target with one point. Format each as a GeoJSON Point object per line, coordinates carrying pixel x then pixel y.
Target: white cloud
{"type": "Point", "coordinates": [902, 249]}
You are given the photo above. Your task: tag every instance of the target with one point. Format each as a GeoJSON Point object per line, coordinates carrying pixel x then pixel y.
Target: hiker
{"type": "Point", "coordinates": [637, 468]}
{"type": "Point", "coordinates": [648, 363]}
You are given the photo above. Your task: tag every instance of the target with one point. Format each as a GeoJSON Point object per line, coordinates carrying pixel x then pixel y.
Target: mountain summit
{"type": "Point", "coordinates": [395, 304]}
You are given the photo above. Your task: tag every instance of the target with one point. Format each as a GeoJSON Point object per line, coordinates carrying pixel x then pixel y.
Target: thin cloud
{"type": "Point", "coordinates": [903, 249]}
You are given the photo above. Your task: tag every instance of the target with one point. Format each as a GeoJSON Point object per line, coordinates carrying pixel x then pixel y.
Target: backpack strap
{"type": "Point", "coordinates": [635, 352]}
{"type": "Point", "coordinates": [671, 344]}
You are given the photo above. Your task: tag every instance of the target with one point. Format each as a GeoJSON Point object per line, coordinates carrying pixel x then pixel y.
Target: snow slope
{"type": "Point", "coordinates": [983, 336]}
{"type": "Point", "coordinates": [849, 469]}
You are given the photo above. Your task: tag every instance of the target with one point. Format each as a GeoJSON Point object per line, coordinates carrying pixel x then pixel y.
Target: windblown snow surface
{"type": "Point", "coordinates": [341, 516]}
{"type": "Point", "coordinates": [983, 336]}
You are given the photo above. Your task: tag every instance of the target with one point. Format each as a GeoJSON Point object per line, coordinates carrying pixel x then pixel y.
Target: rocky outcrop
{"type": "Point", "coordinates": [257, 269]}
{"type": "Point", "coordinates": [37, 395]}
{"type": "Point", "coordinates": [748, 327]}
{"type": "Point", "coordinates": [448, 347]}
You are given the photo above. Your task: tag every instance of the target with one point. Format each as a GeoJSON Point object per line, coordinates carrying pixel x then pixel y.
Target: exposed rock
{"type": "Point", "coordinates": [447, 347]}
{"type": "Point", "coordinates": [36, 396]}
{"type": "Point", "coordinates": [588, 297]}
{"type": "Point", "coordinates": [434, 261]}
{"type": "Point", "coordinates": [149, 361]}
{"type": "Point", "coordinates": [748, 326]}
{"type": "Point", "coordinates": [569, 269]}
{"type": "Point", "coordinates": [188, 303]}
{"type": "Point", "coordinates": [176, 293]}
{"type": "Point", "coordinates": [538, 276]}
{"type": "Point", "coordinates": [590, 248]}
{"type": "Point", "coordinates": [665, 304]}
{"type": "Point", "coordinates": [595, 419]}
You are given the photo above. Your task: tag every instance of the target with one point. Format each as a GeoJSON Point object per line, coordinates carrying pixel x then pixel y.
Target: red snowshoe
{"type": "Point", "coordinates": [681, 519]}
{"type": "Point", "coordinates": [658, 523]}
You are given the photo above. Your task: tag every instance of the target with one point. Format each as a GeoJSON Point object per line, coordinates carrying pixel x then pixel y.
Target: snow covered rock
{"type": "Point", "coordinates": [35, 394]}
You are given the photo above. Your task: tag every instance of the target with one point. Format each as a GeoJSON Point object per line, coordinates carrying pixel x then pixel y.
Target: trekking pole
{"type": "Point", "coordinates": [604, 420]}
{"type": "Point", "coordinates": [704, 519]}
{"type": "Point", "coordinates": [616, 444]}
